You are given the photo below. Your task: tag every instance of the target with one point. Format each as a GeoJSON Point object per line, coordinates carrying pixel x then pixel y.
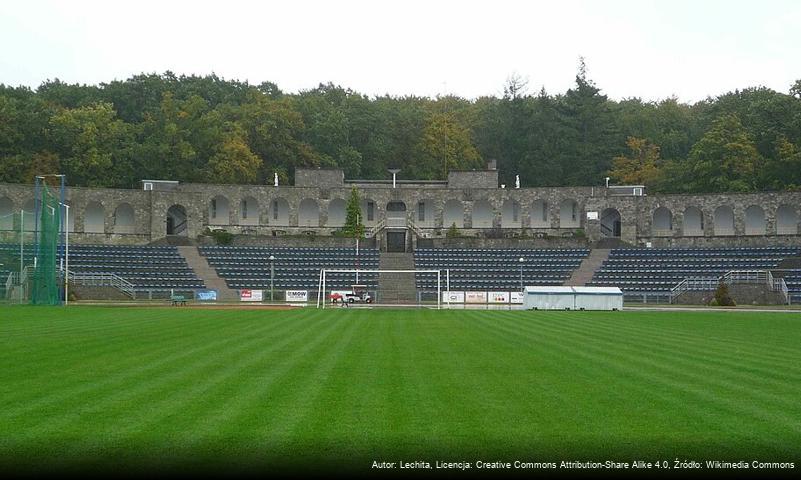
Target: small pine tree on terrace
{"type": "Point", "coordinates": [353, 216]}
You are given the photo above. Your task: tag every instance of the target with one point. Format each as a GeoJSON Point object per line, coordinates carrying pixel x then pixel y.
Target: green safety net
{"type": "Point", "coordinates": [45, 285]}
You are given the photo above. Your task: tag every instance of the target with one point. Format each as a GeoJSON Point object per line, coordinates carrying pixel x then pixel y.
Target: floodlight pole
{"type": "Point", "coordinates": [67, 256]}
{"type": "Point", "coordinates": [21, 243]}
{"type": "Point", "coordinates": [272, 276]}
{"type": "Point", "coordinates": [394, 172]}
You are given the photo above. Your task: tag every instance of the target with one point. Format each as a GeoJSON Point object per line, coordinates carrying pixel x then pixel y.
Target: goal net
{"type": "Point", "coordinates": [377, 287]}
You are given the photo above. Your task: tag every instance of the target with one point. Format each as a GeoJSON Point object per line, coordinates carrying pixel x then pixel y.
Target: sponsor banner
{"type": "Point", "coordinates": [251, 295]}
{"type": "Point", "coordinates": [453, 297]}
{"type": "Point", "coordinates": [206, 295]}
{"type": "Point", "coordinates": [297, 296]}
{"type": "Point", "coordinates": [517, 297]}
{"type": "Point", "coordinates": [475, 297]}
{"type": "Point", "coordinates": [498, 297]}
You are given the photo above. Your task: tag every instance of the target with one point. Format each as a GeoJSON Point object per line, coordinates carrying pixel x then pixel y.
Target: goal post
{"type": "Point", "coordinates": [443, 281]}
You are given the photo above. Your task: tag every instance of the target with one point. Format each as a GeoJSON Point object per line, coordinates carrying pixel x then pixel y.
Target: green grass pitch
{"type": "Point", "coordinates": [160, 388]}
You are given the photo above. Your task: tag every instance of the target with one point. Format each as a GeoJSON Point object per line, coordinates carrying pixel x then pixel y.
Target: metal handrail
{"type": "Point", "coordinates": [377, 228]}
{"type": "Point", "coordinates": [103, 280]}
{"type": "Point", "coordinates": [730, 278]}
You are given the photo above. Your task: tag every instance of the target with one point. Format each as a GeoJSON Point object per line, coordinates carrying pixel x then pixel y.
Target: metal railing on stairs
{"type": "Point", "coordinates": [732, 277]}
{"type": "Point", "coordinates": [103, 280]}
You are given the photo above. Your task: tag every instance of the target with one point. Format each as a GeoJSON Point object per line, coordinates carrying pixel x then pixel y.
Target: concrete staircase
{"type": "Point", "coordinates": [396, 287]}
{"type": "Point", "coordinates": [206, 272]}
{"type": "Point", "coordinates": [588, 267]}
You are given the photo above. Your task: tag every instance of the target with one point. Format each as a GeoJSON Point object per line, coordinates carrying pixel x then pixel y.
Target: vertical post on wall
{"type": "Point", "coordinates": [448, 287]}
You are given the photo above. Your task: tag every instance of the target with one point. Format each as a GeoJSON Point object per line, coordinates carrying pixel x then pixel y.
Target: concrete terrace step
{"type": "Point", "coordinates": [396, 287]}
{"type": "Point", "coordinates": [208, 274]}
{"type": "Point", "coordinates": [588, 267]}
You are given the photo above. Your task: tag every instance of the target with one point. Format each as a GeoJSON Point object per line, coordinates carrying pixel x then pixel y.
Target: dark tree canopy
{"type": "Point", "coordinates": [208, 129]}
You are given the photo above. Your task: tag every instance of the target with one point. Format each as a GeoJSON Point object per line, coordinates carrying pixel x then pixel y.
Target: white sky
{"type": "Point", "coordinates": [638, 48]}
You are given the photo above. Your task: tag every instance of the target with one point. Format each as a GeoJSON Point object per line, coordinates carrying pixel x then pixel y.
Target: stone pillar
{"type": "Point", "coordinates": [323, 217]}
{"type": "Point", "coordinates": [739, 219]}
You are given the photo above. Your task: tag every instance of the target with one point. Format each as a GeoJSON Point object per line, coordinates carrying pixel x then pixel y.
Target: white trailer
{"type": "Point", "coordinates": [560, 297]}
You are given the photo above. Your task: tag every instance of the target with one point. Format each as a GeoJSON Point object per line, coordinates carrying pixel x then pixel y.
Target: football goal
{"type": "Point", "coordinates": [342, 286]}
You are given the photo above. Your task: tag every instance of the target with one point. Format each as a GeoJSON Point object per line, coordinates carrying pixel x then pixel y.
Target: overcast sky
{"type": "Point", "coordinates": [647, 49]}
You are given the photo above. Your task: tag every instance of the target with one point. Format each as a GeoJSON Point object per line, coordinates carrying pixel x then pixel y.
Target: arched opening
{"type": "Point", "coordinates": [693, 222]}
{"type": "Point", "coordinates": [279, 212]}
{"type": "Point", "coordinates": [755, 220]}
{"type": "Point", "coordinates": [424, 213]}
{"type": "Point", "coordinates": [94, 218]}
{"type": "Point", "coordinates": [568, 214]}
{"type": "Point", "coordinates": [308, 213]}
{"type": "Point", "coordinates": [663, 222]}
{"type": "Point", "coordinates": [124, 219]}
{"type": "Point", "coordinates": [177, 221]}
{"type": "Point", "coordinates": [786, 220]}
{"type": "Point", "coordinates": [482, 214]}
{"type": "Point", "coordinates": [219, 210]}
{"type": "Point", "coordinates": [724, 220]}
{"type": "Point", "coordinates": [510, 214]}
{"type": "Point", "coordinates": [610, 223]}
{"type": "Point", "coordinates": [396, 214]}
{"type": "Point", "coordinates": [539, 214]}
{"type": "Point", "coordinates": [369, 212]}
{"type": "Point", "coordinates": [6, 214]}
{"type": "Point", "coordinates": [337, 212]}
{"type": "Point", "coordinates": [453, 214]}
{"type": "Point", "coordinates": [248, 211]}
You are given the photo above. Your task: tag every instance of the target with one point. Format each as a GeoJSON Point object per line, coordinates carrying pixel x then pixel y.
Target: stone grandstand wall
{"type": "Point", "coordinates": [473, 201]}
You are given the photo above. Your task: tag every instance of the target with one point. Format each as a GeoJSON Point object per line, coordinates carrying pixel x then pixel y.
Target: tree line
{"type": "Point", "coordinates": [211, 130]}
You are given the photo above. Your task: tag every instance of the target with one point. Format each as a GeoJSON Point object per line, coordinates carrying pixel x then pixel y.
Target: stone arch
{"type": "Point", "coordinates": [337, 212]}
{"type": "Point", "coordinates": [177, 221]}
{"type": "Point", "coordinates": [6, 214]}
{"type": "Point", "coordinates": [511, 215]}
{"type": "Point", "coordinates": [539, 214]}
{"type": "Point", "coordinates": [693, 222]}
{"type": "Point", "coordinates": [248, 211]}
{"type": "Point", "coordinates": [369, 211]}
{"type": "Point", "coordinates": [724, 220]}
{"type": "Point", "coordinates": [610, 222]}
{"type": "Point", "coordinates": [94, 218]}
{"type": "Point", "coordinates": [219, 210]}
{"type": "Point", "coordinates": [755, 220]}
{"type": "Point", "coordinates": [396, 213]}
{"type": "Point", "coordinates": [424, 213]}
{"type": "Point", "coordinates": [124, 219]}
{"type": "Point", "coordinates": [569, 214]}
{"type": "Point", "coordinates": [786, 220]}
{"type": "Point", "coordinates": [308, 213]}
{"type": "Point", "coordinates": [662, 221]}
{"type": "Point", "coordinates": [482, 214]}
{"type": "Point", "coordinates": [279, 212]}
{"type": "Point", "coordinates": [453, 214]}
